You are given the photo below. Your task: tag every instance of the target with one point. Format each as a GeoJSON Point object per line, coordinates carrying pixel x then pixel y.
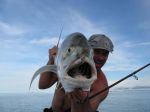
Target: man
{"type": "Point", "coordinates": [78, 100]}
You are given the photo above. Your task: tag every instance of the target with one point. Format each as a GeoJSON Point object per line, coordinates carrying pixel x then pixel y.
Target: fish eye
{"type": "Point", "coordinates": [69, 50]}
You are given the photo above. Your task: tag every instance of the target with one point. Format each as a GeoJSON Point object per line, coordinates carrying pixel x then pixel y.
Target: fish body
{"type": "Point", "coordinates": [74, 64]}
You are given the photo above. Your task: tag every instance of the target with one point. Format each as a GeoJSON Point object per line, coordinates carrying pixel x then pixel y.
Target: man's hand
{"type": "Point", "coordinates": [80, 101]}
{"type": "Point", "coordinates": [52, 54]}
{"type": "Point", "coordinates": [79, 96]}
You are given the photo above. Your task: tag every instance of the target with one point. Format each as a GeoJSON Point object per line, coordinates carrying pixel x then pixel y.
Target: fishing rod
{"type": "Point", "coordinates": [131, 74]}
{"type": "Point", "coordinates": [59, 37]}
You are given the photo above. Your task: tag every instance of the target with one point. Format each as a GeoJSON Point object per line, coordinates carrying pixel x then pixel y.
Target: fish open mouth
{"type": "Point", "coordinates": [82, 70]}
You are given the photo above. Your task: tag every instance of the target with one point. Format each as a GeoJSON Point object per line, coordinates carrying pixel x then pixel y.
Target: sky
{"type": "Point", "coordinates": [28, 28]}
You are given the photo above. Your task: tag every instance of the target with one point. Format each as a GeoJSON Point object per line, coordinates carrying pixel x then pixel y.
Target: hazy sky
{"type": "Point", "coordinates": [28, 28]}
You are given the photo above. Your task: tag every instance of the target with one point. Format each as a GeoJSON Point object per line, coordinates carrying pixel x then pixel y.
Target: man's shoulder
{"type": "Point", "coordinates": [101, 78]}
{"type": "Point", "coordinates": [100, 74]}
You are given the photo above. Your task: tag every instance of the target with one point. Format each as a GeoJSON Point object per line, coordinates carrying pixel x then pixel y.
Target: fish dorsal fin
{"type": "Point", "coordinates": [47, 68]}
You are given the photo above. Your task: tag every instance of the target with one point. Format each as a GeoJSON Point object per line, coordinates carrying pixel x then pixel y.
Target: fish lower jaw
{"type": "Point", "coordinates": [69, 84]}
{"type": "Point", "coordinates": [80, 77]}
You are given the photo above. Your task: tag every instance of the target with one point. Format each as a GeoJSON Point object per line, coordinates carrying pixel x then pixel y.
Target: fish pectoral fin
{"type": "Point", "coordinates": [47, 68]}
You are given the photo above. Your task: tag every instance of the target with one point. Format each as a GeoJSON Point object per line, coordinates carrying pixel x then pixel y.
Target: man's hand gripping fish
{"type": "Point", "coordinates": [74, 64]}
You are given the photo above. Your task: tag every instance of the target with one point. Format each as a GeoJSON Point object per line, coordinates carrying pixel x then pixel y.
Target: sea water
{"type": "Point", "coordinates": [126, 100]}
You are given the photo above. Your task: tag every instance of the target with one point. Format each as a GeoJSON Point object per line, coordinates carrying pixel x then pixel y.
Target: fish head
{"type": "Point", "coordinates": [75, 64]}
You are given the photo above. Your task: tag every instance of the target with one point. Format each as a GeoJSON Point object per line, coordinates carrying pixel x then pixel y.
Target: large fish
{"type": "Point", "coordinates": [74, 64]}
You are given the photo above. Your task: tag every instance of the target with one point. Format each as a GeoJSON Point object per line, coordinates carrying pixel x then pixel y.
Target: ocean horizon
{"type": "Point", "coordinates": [118, 100]}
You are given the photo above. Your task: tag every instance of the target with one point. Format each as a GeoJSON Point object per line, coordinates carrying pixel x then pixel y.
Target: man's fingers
{"type": "Point", "coordinates": [79, 95]}
{"type": "Point", "coordinates": [53, 51]}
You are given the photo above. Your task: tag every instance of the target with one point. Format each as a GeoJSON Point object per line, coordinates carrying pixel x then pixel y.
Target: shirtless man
{"type": "Point", "coordinates": [78, 100]}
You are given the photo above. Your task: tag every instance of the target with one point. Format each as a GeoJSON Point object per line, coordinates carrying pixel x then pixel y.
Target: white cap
{"type": "Point", "coordinates": [100, 41]}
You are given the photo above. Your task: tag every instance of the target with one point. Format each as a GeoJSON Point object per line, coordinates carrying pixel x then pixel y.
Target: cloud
{"type": "Point", "coordinates": [10, 29]}
{"type": "Point", "coordinates": [17, 79]}
{"type": "Point", "coordinates": [45, 41]}
{"type": "Point", "coordinates": [71, 20]}
{"type": "Point", "coordinates": [77, 22]}
{"type": "Point", "coordinates": [138, 44]}
{"type": "Point", "coordinates": [121, 60]}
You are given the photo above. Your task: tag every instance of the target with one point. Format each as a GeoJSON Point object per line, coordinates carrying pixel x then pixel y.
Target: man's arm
{"type": "Point", "coordinates": [47, 79]}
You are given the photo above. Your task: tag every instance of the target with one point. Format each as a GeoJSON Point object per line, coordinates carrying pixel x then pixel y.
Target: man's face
{"type": "Point", "coordinates": [100, 57]}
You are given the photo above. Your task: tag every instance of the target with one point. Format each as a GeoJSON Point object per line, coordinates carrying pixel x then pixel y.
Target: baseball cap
{"type": "Point", "coordinates": [101, 41]}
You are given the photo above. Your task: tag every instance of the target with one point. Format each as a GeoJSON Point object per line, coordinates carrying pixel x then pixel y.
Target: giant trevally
{"type": "Point", "coordinates": [74, 64]}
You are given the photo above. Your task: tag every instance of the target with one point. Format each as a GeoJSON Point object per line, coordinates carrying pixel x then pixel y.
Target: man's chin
{"type": "Point", "coordinates": [99, 66]}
